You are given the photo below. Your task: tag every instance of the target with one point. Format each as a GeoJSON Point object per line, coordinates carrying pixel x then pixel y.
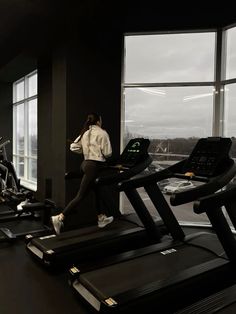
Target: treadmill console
{"type": "Point", "coordinates": [208, 156]}
{"type": "Point", "coordinates": [135, 151]}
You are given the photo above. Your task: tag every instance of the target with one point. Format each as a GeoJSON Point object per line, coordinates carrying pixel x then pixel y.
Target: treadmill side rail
{"type": "Point", "coordinates": [33, 249]}
{"type": "Point", "coordinates": [87, 295]}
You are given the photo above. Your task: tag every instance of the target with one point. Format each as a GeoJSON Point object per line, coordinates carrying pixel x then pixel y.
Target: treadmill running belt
{"type": "Point", "coordinates": [140, 271]}
{"type": "Point", "coordinates": [223, 302]}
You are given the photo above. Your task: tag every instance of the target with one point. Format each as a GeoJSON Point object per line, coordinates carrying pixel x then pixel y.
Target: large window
{"type": "Point", "coordinates": [169, 96]}
{"type": "Point", "coordinates": [185, 57]}
{"type": "Point", "coordinates": [25, 129]}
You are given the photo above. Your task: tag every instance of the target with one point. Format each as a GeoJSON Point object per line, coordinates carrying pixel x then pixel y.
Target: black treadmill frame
{"type": "Point", "coordinates": [219, 267]}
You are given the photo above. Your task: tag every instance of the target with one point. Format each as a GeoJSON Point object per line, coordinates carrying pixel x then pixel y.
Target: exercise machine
{"type": "Point", "coordinates": [123, 234]}
{"type": "Point", "coordinates": [33, 218]}
{"type": "Point", "coordinates": [8, 177]}
{"type": "Point", "coordinates": [223, 301]}
{"type": "Point", "coordinates": [11, 192]}
{"type": "Point", "coordinates": [169, 274]}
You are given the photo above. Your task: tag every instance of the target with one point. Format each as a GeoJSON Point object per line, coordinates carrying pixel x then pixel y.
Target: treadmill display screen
{"type": "Point", "coordinates": [135, 152]}
{"type": "Point", "coordinates": [208, 155]}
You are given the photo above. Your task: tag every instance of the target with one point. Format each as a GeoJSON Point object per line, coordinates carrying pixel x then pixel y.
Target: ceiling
{"type": "Point", "coordinates": [17, 14]}
{"type": "Point", "coordinates": [39, 21]}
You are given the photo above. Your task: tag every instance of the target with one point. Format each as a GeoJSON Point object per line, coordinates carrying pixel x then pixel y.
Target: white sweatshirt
{"type": "Point", "coordinates": [94, 144]}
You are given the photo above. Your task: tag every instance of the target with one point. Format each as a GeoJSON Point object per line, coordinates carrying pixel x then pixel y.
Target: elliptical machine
{"type": "Point", "coordinates": [8, 177]}
{"type": "Point", "coordinates": [10, 189]}
{"type": "Point", "coordinates": [17, 203]}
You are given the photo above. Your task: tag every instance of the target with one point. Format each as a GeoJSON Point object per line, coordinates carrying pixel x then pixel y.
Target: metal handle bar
{"type": "Point", "coordinates": [5, 143]}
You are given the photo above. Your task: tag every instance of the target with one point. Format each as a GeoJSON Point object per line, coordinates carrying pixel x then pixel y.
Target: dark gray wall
{"type": "Point", "coordinates": [6, 114]}
{"type": "Point", "coordinates": [80, 76]}
{"type": "Point", "coordinates": [45, 158]}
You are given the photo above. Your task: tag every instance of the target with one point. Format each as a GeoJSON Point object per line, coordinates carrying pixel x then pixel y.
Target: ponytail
{"type": "Point", "coordinates": [92, 119]}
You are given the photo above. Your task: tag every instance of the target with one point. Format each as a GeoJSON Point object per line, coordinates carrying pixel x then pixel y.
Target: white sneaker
{"type": "Point", "coordinates": [57, 223]}
{"type": "Point", "coordinates": [104, 220]}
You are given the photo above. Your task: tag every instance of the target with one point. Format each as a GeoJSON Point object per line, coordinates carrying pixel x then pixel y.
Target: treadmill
{"type": "Point", "coordinates": [223, 301]}
{"type": "Point", "coordinates": [33, 218]}
{"type": "Point", "coordinates": [125, 233]}
{"type": "Point", "coordinates": [174, 273]}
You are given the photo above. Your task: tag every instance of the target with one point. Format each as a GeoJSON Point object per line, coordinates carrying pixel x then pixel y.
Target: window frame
{"type": "Point", "coordinates": [25, 181]}
{"type": "Point", "coordinates": [217, 127]}
{"type": "Point", "coordinates": [218, 85]}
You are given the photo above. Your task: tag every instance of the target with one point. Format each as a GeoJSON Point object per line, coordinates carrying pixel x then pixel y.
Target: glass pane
{"type": "Point", "coordinates": [20, 121]}
{"type": "Point", "coordinates": [173, 118]}
{"type": "Point", "coordinates": [20, 91]}
{"type": "Point", "coordinates": [169, 113]}
{"type": "Point", "coordinates": [231, 53]}
{"type": "Point", "coordinates": [33, 127]}
{"type": "Point", "coordinates": [19, 166]}
{"type": "Point", "coordinates": [230, 115]}
{"type": "Point", "coordinates": [32, 170]}
{"type": "Point", "coordinates": [32, 85]}
{"type": "Point", "coordinates": [169, 58]}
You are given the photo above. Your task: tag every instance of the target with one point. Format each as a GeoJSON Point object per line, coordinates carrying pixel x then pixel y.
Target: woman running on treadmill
{"type": "Point", "coordinates": [94, 143]}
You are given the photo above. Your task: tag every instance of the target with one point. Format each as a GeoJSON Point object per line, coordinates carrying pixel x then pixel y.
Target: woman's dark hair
{"type": "Point", "coordinates": [92, 119]}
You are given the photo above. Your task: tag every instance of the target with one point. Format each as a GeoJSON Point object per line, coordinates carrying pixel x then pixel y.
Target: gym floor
{"type": "Point", "coordinates": [28, 288]}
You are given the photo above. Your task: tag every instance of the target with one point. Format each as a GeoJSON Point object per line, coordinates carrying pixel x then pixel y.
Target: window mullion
{"type": "Point", "coordinates": [26, 141]}
{"type": "Point", "coordinates": [26, 130]}
{"type": "Point", "coordinates": [218, 107]}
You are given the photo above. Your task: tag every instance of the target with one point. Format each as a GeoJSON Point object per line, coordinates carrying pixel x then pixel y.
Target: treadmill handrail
{"type": "Point", "coordinates": [215, 200]}
{"type": "Point", "coordinates": [212, 206]}
{"type": "Point", "coordinates": [5, 143]}
{"type": "Point", "coordinates": [123, 173]}
{"type": "Point", "coordinates": [144, 179]}
{"type": "Point", "coordinates": [210, 185]}
{"type": "Point", "coordinates": [215, 183]}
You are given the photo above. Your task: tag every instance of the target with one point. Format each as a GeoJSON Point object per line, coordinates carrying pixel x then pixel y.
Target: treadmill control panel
{"type": "Point", "coordinates": [208, 155]}
{"type": "Point", "coordinates": [135, 151]}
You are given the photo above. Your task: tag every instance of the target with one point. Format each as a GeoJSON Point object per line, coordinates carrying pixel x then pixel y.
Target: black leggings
{"type": "Point", "coordinates": [90, 170]}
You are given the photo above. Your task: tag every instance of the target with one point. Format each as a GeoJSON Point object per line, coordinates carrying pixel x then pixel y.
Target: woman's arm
{"type": "Point", "coordinates": [76, 146]}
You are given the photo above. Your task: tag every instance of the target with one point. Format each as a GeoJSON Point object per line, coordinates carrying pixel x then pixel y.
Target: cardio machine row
{"type": "Point", "coordinates": [20, 213]}
{"type": "Point", "coordinates": [181, 268]}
